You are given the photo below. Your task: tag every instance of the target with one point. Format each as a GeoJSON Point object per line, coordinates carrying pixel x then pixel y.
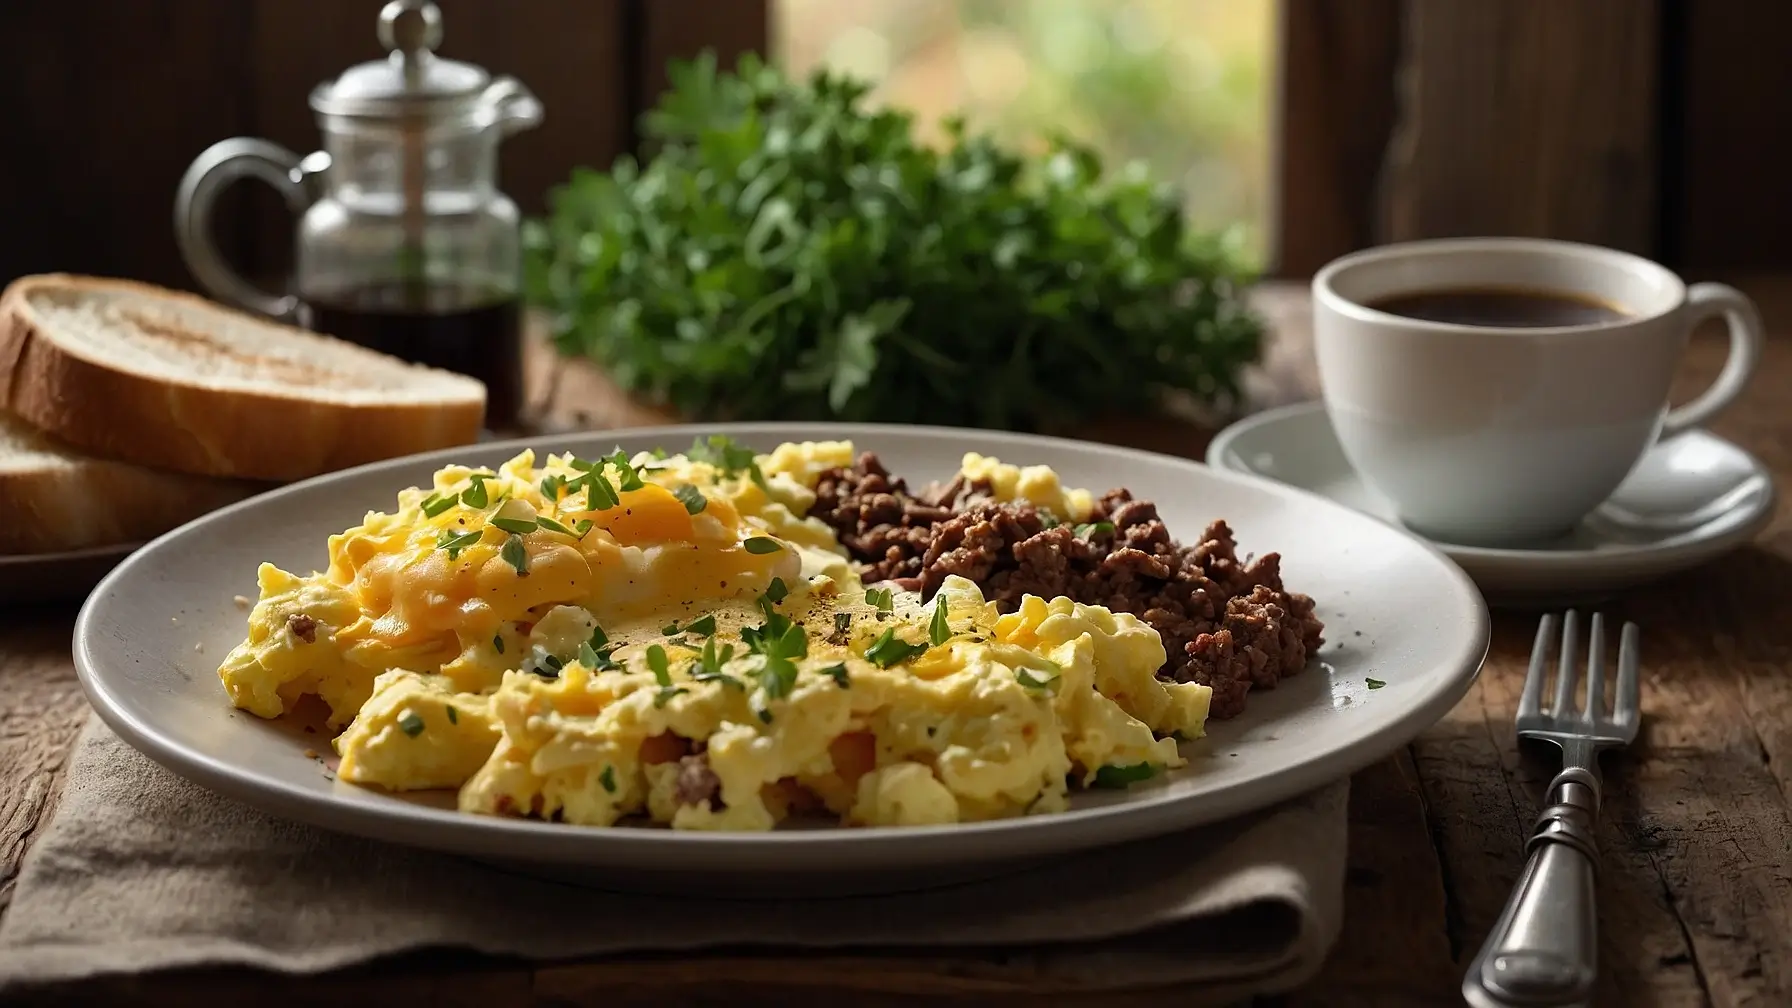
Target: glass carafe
{"type": "Point", "coordinates": [405, 243]}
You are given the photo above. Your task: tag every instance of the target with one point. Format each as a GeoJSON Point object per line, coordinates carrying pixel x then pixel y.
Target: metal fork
{"type": "Point", "coordinates": [1541, 952]}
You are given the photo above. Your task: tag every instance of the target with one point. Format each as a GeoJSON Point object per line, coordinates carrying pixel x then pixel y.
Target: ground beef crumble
{"type": "Point", "coordinates": [697, 784]}
{"type": "Point", "coordinates": [1225, 622]}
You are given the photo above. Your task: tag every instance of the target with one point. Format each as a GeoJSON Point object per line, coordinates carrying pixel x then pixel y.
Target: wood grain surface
{"type": "Point", "coordinates": [1696, 878]}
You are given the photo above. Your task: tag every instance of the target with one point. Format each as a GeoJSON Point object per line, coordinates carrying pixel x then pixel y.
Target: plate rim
{"type": "Point", "coordinates": [856, 848]}
{"type": "Point", "coordinates": [1618, 560]}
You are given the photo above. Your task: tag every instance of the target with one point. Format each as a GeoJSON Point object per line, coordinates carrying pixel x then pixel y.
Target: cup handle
{"type": "Point", "coordinates": [222, 164]}
{"type": "Point", "coordinates": [1705, 300]}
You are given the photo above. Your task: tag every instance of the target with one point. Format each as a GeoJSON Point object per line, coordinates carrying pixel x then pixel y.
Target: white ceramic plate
{"type": "Point", "coordinates": [57, 577]}
{"type": "Point", "coordinates": [1690, 498]}
{"type": "Point", "coordinates": [149, 639]}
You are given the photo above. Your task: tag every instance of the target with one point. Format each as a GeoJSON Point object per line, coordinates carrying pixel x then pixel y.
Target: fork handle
{"type": "Point", "coordinates": [1542, 951]}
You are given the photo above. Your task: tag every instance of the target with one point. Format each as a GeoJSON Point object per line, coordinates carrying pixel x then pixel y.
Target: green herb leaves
{"type": "Point", "coordinates": [881, 599]}
{"type": "Point", "coordinates": [410, 723]}
{"type": "Point", "coordinates": [476, 495]}
{"type": "Point", "coordinates": [1373, 683]}
{"type": "Point", "coordinates": [1114, 776]}
{"type": "Point", "coordinates": [710, 662]}
{"type": "Point", "coordinates": [515, 555]}
{"type": "Point", "coordinates": [692, 498]}
{"type": "Point", "coordinates": [515, 526]}
{"type": "Point", "coordinates": [762, 545]}
{"type": "Point", "coordinates": [1089, 530]}
{"type": "Point", "coordinates": [1033, 680]}
{"type": "Point", "coordinates": [455, 543]}
{"type": "Point", "coordinates": [889, 649]}
{"type": "Point", "coordinates": [553, 526]}
{"type": "Point", "coordinates": [839, 674]}
{"type": "Point", "coordinates": [728, 456]}
{"type": "Point", "coordinates": [791, 253]}
{"type": "Point", "coordinates": [662, 675]}
{"type": "Point", "coordinates": [435, 504]}
{"type": "Point", "coordinates": [939, 630]}
{"type": "Point", "coordinates": [608, 778]}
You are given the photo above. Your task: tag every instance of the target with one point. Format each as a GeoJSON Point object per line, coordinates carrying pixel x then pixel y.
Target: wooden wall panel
{"type": "Point", "coordinates": [1732, 212]}
{"type": "Point", "coordinates": [1334, 112]}
{"type": "Point", "coordinates": [103, 107]}
{"type": "Point", "coordinates": [1531, 117]}
{"type": "Point", "coordinates": [680, 29]}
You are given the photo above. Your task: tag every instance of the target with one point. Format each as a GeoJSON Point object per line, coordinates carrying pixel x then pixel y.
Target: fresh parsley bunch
{"type": "Point", "coordinates": [787, 254]}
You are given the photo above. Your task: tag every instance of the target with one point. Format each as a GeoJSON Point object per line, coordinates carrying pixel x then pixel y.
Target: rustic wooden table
{"type": "Point", "coordinates": [1696, 882]}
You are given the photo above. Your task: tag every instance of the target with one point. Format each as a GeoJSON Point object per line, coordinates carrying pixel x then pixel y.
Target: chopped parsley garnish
{"type": "Point", "coordinates": [1374, 683]}
{"type": "Point", "coordinates": [598, 637]}
{"type": "Point", "coordinates": [498, 643]}
{"type": "Point", "coordinates": [515, 526]}
{"type": "Point", "coordinates": [890, 650]}
{"type": "Point", "coordinates": [1026, 677]}
{"type": "Point", "coordinates": [514, 554]}
{"type": "Point", "coordinates": [842, 625]}
{"type": "Point", "coordinates": [1114, 776]}
{"type": "Point", "coordinates": [1048, 518]}
{"type": "Point", "coordinates": [410, 724]}
{"type": "Point", "coordinates": [880, 598]}
{"type": "Point", "coordinates": [627, 478]}
{"type": "Point", "coordinates": [762, 545]}
{"type": "Point", "coordinates": [656, 661]}
{"type": "Point", "coordinates": [838, 674]}
{"type": "Point", "coordinates": [778, 677]}
{"type": "Point", "coordinates": [659, 453]}
{"type": "Point", "coordinates": [455, 543]}
{"type": "Point", "coordinates": [553, 526]}
{"type": "Point", "coordinates": [589, 657]}
{"type": "Point", "coordinates": [701, 627]}
{"type": "Point", "coordinates": [453, 715]}
{"type": "Point", "coordinates": [939, 629]}
{"type": "Point", "coordinates": [692, 498]}
{"type": "Point", "coordinates": [726, 455]}
{"type": "Point", "coordinates": [476, 495]}
{"type": "Point", "coordinates": [551, 487]}
{"type": "Point", "coordinates": [608, 779]}
{"type": "Point", "coordinates": [599, 494]}
{"type": "Point", "coordinates": [662, 674]}
{"type": "Point", "coordinates": [1089, 529]}
{"type": "Point", "coordinates": [710, 662]}
{"type": "Point", "coordinates": [583, 526]}
{"type": "Point", "coordinates": [776, 590]}
{"type": "Point", "coordinates": [435, 504]}
{"type": "Point", "coordinates": [671, 630]}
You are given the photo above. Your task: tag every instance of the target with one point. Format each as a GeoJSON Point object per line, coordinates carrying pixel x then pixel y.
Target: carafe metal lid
{"type": "Point", "coordinates": [412, 80]}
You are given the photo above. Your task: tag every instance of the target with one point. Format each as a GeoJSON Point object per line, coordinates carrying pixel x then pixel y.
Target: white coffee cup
{"type": "Point", "coordinates": [1508, 435]}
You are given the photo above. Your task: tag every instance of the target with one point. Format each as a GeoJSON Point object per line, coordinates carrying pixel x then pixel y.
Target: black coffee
{"type": "Point", "coordinates": [1516, 307]}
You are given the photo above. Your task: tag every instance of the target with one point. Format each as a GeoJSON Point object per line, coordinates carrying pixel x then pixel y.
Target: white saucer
{"type": "Point", "coordinates": [1691, 498]}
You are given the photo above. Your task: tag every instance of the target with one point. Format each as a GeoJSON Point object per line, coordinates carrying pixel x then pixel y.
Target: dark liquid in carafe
{"type": "Point", "coordinates": [474, 333]}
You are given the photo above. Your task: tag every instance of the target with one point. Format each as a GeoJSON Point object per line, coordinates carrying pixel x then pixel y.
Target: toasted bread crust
{"type": "Point", "coordinates": [99, 503]}
{"type": "Point", "coordinates": [194, 429]}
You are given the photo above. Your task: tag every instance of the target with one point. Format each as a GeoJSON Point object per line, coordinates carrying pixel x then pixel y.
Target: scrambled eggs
{"type": "Point", "coordinates": [671, 639]}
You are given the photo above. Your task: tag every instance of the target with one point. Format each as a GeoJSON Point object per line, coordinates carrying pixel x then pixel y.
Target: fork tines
{"type": "Point", "coordinates": [1568, 672]}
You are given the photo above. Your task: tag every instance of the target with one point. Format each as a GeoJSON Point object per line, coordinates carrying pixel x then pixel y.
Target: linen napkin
{"type": "Point", "coordinates": [141, 870]}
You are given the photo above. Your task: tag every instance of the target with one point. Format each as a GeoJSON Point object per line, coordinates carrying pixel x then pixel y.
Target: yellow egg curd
{"type": "Point", "coordinates": [669, 639]}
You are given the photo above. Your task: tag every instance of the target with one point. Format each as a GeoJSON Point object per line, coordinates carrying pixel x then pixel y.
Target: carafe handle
{"type": "Point", "coordinates": [211, 173]}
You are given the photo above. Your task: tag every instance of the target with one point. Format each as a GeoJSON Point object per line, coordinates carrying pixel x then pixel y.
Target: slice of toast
{"type": "Point", "coordinates": [160, 378]}
{"type": "Point", "coordinates": [53, 498]}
